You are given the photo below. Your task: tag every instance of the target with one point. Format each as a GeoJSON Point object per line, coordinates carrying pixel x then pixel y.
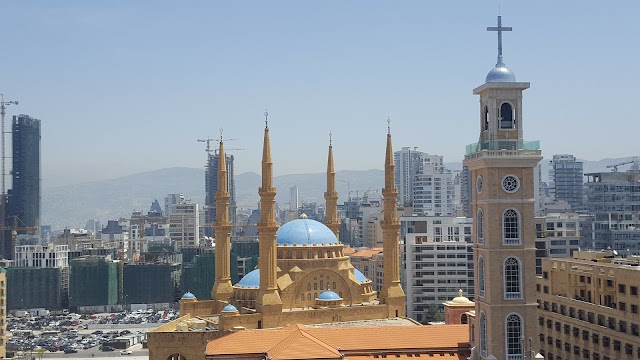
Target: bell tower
{"type": "Point", "coordinates": [501, 166]}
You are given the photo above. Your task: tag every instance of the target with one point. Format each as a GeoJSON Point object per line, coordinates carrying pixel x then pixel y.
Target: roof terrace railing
{"type": "Point", "coordinates": [498, 145]}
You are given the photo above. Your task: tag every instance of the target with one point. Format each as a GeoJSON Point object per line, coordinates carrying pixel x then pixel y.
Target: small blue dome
{"type": "Point", "coordinates": [251, 280]}
{"type": "Point", "coordinates": [500, 73]}
{"type": "Point", "coordinates": [360, 276]}
{"type": "Point", "coordinates": [188, 295]}
{"type": "Point", "coordinates": [229, 308]}
{"type": "Point", "coordinates": [329, 296]}
{"type": "Point", "coordinates": [305, 232]}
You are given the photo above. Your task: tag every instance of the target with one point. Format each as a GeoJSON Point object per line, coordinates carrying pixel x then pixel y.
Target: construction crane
{"type": "Point", "coordinates": [17, 225]}
{"type": "Point", "coordinates": [615, 166]}
{"type": "Point", "coordinates": [3, 195]}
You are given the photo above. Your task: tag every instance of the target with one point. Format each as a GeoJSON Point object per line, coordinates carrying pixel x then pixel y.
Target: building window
{"type": "Point", "coordinates": [506, 117]}
{"type": "Point", "coordinates": [510, 228]}
{"type": "Point", "coordinates": [480, 226]}
{"type": "Point", "coordinates": [485, 126]}
{"type": "Point", "coordinates": [622, 288]}
{"type": "Point", "coordinates": [481, 276]}
{"type": "Point", "coordinates": [512, 279]}
{"type": "Point", "coordinates": [483, 334]}
{"type": "Point", "coordinates": [513, 331]}
{"type": "Point", "coordinates": [633, 290]}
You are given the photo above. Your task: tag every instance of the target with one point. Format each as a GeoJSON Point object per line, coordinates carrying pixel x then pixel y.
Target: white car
{"type": "Point", "coordinates": [126, 352]}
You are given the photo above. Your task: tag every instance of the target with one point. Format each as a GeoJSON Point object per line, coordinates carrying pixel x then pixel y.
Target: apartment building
{"type": "Point", "coordinates": [438, 262]}
{"type": "Point", "coordinates": [589, 307]}
{"type": "Point", "coordinates": [557, 236]}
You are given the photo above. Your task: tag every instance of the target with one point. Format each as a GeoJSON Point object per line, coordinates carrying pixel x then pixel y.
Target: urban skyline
{"type": "Point", "coordinates": [159, 67]}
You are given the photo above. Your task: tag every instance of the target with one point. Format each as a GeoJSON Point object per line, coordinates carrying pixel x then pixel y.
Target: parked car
{"type": "Point", "coordinates": [126, 352]}
{"type": "Point", "coordinates": [107, 348]}
{"type": "Point", "coordinates": [70, 351]}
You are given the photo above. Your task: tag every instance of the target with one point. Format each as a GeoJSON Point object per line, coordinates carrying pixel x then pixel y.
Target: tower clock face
{"type": "Point", "coordinates": [510, 183]}
{"type": "Point", "coordinates": [479, 184]}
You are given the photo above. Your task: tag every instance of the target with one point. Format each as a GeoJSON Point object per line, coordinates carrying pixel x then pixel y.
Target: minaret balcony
{"type": "Point", "coordinates": [502, 148]}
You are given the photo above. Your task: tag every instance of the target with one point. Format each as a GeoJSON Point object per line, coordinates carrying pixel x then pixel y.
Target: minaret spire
{"type": "Point", "coordinates": [268, 302]}
{"type": "Point", "coordinates": [392, 293]}
{"type": "Point", "coordinates": [222, 288]}
{"type": "Point", "coordinates": [331, 195]}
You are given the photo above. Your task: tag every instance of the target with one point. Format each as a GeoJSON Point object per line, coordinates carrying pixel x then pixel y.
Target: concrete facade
{"type": "Point", "coordinates": [439, 261]}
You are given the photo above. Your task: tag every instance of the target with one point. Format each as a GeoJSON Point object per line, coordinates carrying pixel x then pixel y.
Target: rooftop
{"type": "Point", "coordinates": [299, 341]}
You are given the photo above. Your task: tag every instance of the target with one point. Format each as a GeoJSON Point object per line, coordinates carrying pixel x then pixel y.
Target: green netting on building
{"type": "Point", "coordinates": [29, 288]}
{"type": "Point", "coordinates": [93, 281]}
{"type": "Point", "coordinates": [149, 283]}
{"type": "Point", "coordinates": [198, 271]}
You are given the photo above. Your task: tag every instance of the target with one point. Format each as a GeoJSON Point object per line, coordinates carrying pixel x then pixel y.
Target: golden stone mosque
{"type": "Point", "coordinates": [302, 277]}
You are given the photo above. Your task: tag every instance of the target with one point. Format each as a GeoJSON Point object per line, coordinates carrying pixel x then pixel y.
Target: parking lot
{"type": "Point", "coordinates": [84, 336]}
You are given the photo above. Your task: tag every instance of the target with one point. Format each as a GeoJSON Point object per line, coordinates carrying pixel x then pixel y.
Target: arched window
{"type": "Point", "coordinates": [506, 117]}
{"type": "Point", "coordinates": [334, 285]}
{"type": "Point", "coordinates": [481, 276]}
{"type": "Point", "coordinates": [485, 126]}
{"type": "Point", "coordinates": [512, 279]}
{"type": "Point", "coordinates": [480, 226]}
{"type": "Point", "coordinates": [483, 334]}
{"type": "Point", "coordinates": [464, 319]}
{"type": "Point", "coordinates": [321, 284]}
{"type": "Point", "coordinates": [315, 286]}
{"type": "Point", "coordinates": [308, 286]}
{"type": "Point", "coordinates": [513, 331]}
{"type": "Point", "coordinates": [510, 227]}
{"type": "Point", "coordinates": [309, 297]}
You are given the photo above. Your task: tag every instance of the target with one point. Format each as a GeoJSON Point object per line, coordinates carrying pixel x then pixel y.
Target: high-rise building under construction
{"type": "Point", "coordinates": [23, 207]}
{"type": "Point", "coordinates": [211, 186]}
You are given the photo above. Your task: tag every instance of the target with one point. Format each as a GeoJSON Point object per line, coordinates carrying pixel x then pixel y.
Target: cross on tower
{"type": "Point", "coordinates": [499, 29]}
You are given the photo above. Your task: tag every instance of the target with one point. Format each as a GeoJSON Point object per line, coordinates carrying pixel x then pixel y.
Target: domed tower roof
{"type": "Point", "coordinates": [360, 276]}
{"type": "Point", "coordinates": [305, 232]}
{"type": "Point", "coordinates": [250, 280]}
{"type": "Point", "coordinates": [500, 73]}
{"type": "Point", "coordinates": [188, 295]}
{"type": "Point", "coordinates": [329, 296]}
{"type": "Point", "coordinates": [229, 308]}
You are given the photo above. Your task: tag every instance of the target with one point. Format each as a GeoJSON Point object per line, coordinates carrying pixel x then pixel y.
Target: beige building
{"type": "Point", "coordinates": [589, 307]}
{"type": "Point", "coordinates": [502, 175]}
{"type": "Point", "coordinates": [3, 313]}
{"type": "Point", "coordinates": [303, 275]}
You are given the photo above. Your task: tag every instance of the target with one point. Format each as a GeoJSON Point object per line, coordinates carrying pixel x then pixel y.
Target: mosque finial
{"type": "Point", "coordinates": [330, 135]}
{"type": "Point", "coordinates": [266, 119]}
{"type": "Point", "coordinates": [499, 29]}
{"type": "Point", "coordinates": [388, 125]}
{"type": "Point", "coordinates": [220, 134]}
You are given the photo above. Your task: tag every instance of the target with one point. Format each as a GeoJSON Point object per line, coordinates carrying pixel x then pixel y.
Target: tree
{"type": "Point", "coordinates": [434, 313]}
{"type": "Point", "coordinates": [41, 352]}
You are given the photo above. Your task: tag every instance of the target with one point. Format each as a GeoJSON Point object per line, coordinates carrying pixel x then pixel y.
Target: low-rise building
{"type": "Point", "coordinates": [557, 236]}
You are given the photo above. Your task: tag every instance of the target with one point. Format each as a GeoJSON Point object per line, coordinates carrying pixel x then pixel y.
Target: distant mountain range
{"type": "Point", "coordinates": [73, 205]}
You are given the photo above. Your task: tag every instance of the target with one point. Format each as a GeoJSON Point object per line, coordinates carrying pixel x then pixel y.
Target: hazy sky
{"type": "Point", "coordinates": [124, 87]}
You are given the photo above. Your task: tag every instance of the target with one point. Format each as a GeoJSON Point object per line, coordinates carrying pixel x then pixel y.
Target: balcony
{"type": "Point", "coordinates": [504, 147]}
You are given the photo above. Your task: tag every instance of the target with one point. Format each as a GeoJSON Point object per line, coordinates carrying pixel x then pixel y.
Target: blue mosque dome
{"type": "Point", "coordinates": [307, 232]}
{"type": "Point", "coordinates": [360, 276]}
{"type": "Point", "coordinates": [251, 280]}
{"type": "Point", "coordinates": [188, 295]}
{"type": "Point", "coordinates": [500, 73]}
{"type": "Point", "coordinates": [328, 296]}
{"type": "Point", "coordinates": [229, 308]}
